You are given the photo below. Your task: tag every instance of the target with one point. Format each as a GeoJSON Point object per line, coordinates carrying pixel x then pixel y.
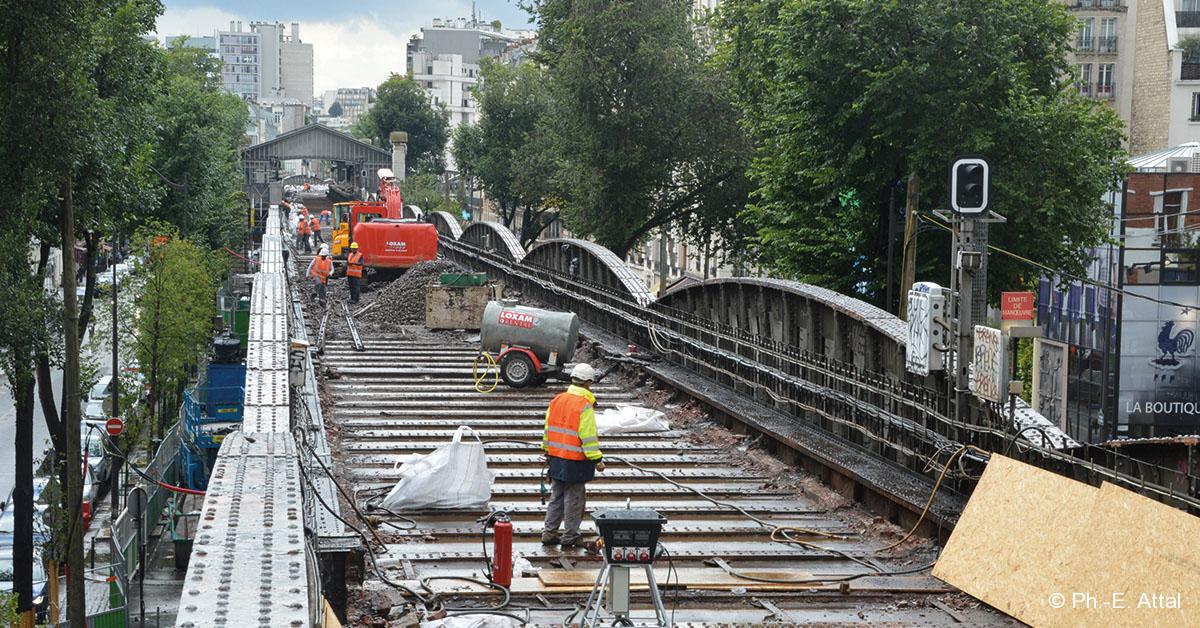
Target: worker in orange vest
{"type": "Point", "coordinates": [320, 269]}
{"type": "Point", "coordinates": [326, 217]}
{"type": "Point", "coordinates": [354, 271]}
{"type": "Point", "coordinates": [314, 225]}
{"type": "Point", "coordinates": [572, 454]}
{"type": "Point", "coordinates": [302, 230]}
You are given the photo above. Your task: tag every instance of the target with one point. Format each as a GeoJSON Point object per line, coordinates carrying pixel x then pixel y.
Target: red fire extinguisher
{"type": "Point", "coordinates": [502, 550]}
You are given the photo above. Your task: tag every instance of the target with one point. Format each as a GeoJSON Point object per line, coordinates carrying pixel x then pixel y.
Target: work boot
{"type": "Point", "coordinates": [549, 539]}
{"type": "Point", "coordinates": [569, 543]}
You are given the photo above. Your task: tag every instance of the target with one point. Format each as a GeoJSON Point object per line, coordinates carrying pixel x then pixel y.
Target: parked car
{"type": "Point", "coordinates": [41, 584]}
{"type": "Point", "coordinates": [41, 531]}
{"type": "Point", "coordinates": [99, 401]}
{"type": "Point", "coordinates": [91, 444]}
{"type": "Point", "coordinates": [104, 280]}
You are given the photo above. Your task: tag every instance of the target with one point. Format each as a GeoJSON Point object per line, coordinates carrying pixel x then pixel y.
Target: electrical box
{"type": "Point", "coordinates": [630, 535]}
{"type": "Point", "coordinates": [927, 331]}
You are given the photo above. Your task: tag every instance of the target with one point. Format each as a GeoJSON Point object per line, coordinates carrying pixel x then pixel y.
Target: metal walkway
{"type": "Point", "coordinates": [250, 563]}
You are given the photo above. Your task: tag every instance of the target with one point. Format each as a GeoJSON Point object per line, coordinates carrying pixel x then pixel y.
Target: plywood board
{"type": "Point", "coordinates": [1051, 551]}
{"type": "Point", "coordinates": [1014, 538]}
{"type": "Point", "coordinates": [1137, 563]}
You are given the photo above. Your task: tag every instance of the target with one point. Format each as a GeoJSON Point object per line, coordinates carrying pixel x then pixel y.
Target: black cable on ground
{"type": "Point", "coordinates": [366, 543]}
{"type": "Point", "coordinates": [487, 583]}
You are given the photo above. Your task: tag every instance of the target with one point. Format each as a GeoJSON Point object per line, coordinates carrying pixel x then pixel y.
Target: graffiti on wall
{"type": "Point", "coordinates": [989, 380]}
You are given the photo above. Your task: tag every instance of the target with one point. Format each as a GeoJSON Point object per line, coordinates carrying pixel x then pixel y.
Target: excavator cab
{"type": "Point", "coordinates": [345, 216]}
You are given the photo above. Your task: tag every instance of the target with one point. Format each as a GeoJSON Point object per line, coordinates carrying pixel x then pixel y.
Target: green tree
{"type": "Point", "coordinates": [199, 129]}
{"type": "Point", "coordinates": [846, 98]}
{"type": "Point", "coordinates": [425, 191]}
{"type": "Point", "coordinates": [507, 151]}
{"type": "Point", "coordinates": [402, 105]}
{"type": "Point", "coordinates": [177, 308]}
{"type": "Point", "coordinates": [335, 110]}
{"type": "Point", "coordinates": [644, 133]}
{"type": "Point", "coordinates": [71, 133]}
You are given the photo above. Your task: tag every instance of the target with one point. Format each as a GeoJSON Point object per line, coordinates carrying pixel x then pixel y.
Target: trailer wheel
{"type": "Point", "coordinates": [517, 369]}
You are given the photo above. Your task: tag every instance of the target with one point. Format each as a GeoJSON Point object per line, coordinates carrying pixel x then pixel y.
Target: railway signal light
{"type": "Point", "coordinates": [970, 185]}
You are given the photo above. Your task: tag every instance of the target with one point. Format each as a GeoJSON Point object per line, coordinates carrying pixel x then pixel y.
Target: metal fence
{"type": "Point", "coordinates": [105, 597]}
{"type": "Point", "coordinates": [125, 531]}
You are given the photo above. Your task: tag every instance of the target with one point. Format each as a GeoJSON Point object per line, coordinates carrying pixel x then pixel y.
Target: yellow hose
{"type": "Point", "coordinates": [481, 376]}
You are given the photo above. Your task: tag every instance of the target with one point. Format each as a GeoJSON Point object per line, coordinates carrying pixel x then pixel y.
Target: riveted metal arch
{"type": "Point", "coordinates": [807, 317]}
{"type": "Point", "coordinates": [301, 179]}
{"type": "Point", "coordinates": [493, 236]}
{"type": "Point", "coordinates": [412, 211]}
{"type": "Point", "coordinates": [591, 262]}
{"type": "Point", "coordinates": [446, 224]}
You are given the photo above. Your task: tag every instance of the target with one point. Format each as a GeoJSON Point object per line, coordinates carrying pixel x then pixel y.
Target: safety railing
{"type": "Point", "coordinates": [205, 405]}
{"type": "Point", "coordinates": [126, 533]}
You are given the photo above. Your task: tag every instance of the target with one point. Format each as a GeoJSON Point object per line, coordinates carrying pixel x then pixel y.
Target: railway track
{"type": "Point", "coordinates": [406, 394]}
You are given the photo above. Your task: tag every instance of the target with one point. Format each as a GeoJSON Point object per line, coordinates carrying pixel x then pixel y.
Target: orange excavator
{"type": "Point", "coordinates": [387, 240]}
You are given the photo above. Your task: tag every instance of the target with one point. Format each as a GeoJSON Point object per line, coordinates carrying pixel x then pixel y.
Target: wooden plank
{"type": "Point", "coordinates": [582, 582]}
{"type": "Point", "coordinates": [687, 576]}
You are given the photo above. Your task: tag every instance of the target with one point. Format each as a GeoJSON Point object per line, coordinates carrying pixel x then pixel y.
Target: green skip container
{"type": "Point", "coordinates": [462, 279]}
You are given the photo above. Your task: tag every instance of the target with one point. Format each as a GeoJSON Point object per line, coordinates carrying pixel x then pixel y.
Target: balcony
{"type": "Point", "coordinates": [1189, 71]}
{"type": "Point", "coordinates": [1187, 19]}
{"type": "Point", "coordinates": [1085, 44]}
{"type": "Point", "coordinates": [1085, 89]}
{"type": "Point", "coordinates": [1107, 45]}
{"type": "Point", "coordinates": [1097, 4]}
{"type": "Point", "coordinates": [1104, 90]}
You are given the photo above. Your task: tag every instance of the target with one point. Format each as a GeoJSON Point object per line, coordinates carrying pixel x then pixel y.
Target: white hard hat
{"type": "Point", "coordinates": [324, 249]}
{"type": "Point", "coordinates": [583, 372]}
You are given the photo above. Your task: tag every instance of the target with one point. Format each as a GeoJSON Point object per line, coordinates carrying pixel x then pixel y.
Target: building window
{"type": "Point", "coordinates": [1179, 267]}
{"type": "Point", "coordinates": [1195, 106]}
{"type": "Point", "coordinates": [1108, 34]}
{"type": "Point", "coordinates": [1085, 79]}
{"type": "Point", "coordinates": [1083, 41]}
{"type": "Point", "coordinates": [1190, 5]}
{"type": "Point", "coordinates": [1104, 80]}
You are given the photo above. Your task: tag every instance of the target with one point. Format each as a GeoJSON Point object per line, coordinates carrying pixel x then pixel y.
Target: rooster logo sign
{"type": "Point", "coordinates": [1172, 345]}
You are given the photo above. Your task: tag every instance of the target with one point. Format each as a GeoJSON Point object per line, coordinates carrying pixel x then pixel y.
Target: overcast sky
{"type": "Point", "coordinates": [355, 43]}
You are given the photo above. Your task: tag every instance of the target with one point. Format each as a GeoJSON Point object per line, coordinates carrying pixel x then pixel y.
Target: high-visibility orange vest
{"type": "Point", "coordinates": [354, 264]}
{"type": "Point", "coordinates": [562, 427]}
{"type": "Point", "coordinates": [323, 268]}
{"type": "Point", "coordinates": [315, 224]}
{"type": "Point", "coordinates": [302, 227]}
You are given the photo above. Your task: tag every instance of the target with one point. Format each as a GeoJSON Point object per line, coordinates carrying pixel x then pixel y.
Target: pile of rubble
{"type": "Point", "coordinates": [402, 302]}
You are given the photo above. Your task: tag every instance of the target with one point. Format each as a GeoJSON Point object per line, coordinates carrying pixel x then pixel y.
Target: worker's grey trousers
{"type": "Point", "coordinates": [567, 503]}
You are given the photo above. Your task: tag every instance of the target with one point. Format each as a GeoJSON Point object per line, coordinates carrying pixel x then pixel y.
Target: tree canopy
{"type": "Point", "coordinates": [642, 131]}
{"type": "Point", "coordinates": [402, 105]}
{"type": "Point", "coordinates": [846, 98]}
{"type": "Point", "coordinates": [508, 150]}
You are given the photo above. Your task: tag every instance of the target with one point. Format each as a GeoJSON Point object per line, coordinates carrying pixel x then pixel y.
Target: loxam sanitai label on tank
{"type": "Point", "coordinates": [517, 319]}
{"type": "Point", "coordinates": [396, 245]}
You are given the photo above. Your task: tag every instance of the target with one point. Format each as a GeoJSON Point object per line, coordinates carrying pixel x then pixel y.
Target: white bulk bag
{"type": "Point", "coordinates": [454, 475]}
{"type": "Point", "coordinates": [624, 419]}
